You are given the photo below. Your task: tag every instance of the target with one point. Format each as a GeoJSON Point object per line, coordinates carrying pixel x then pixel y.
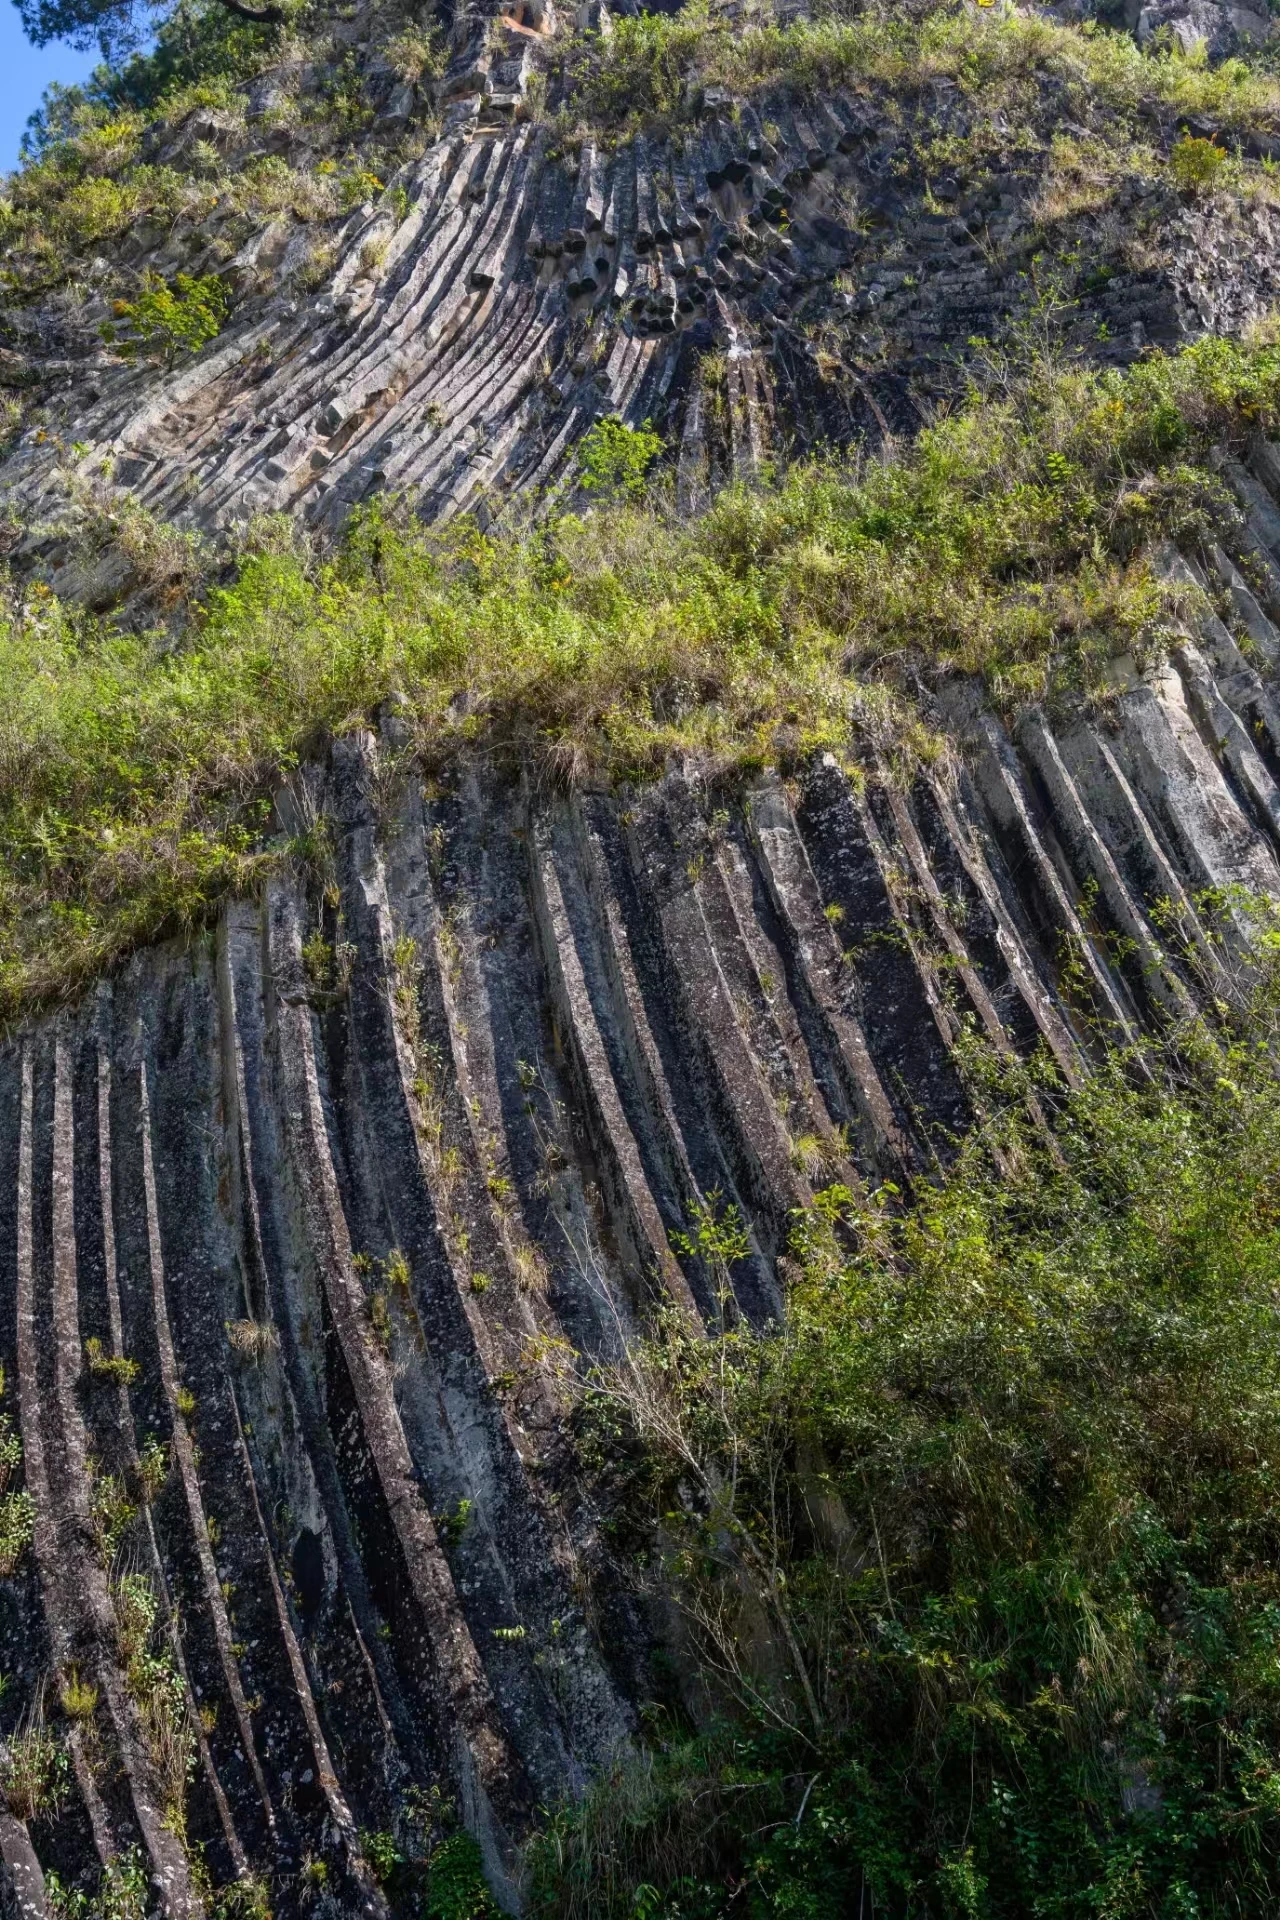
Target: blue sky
{"type": "Point", "coordinates": [25, 72]}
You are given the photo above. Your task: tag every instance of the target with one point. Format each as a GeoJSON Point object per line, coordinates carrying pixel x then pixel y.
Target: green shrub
{"type": "Point", "coordinates": [382, 1853]}
{"type": "Point", "coordinates": [248, 1898]}
{"type": "Point", "coordinates": [156, 1687]}
{"type": "Point", "coordinates": [34, 1771]}
{"type": "Point", "coordinates": [615, 458]}
{"type": "Point", "coordinates": [153, 1469]}
{"type": "Point", "coordinates": [17, 1527]}
{"type": "Point", "coordinates": [135, 776]}
{"type": "Point", "coordinates": [980, 1548]}
{"type": "Point", "coordinates": [1196, 164]}
{"type": "Point", "coordinates": [121, 1892]}
{"type": "Point", "coordinates": [356, 187]}
{"type": "Point", "coordinates": [17, 1510]}
{"type": "Point", "coordinates": [111, 1512]}
{"type": "Point", "coordinates": [170, 320]}
{"type": "Point", "coordinates": [455, 1888]}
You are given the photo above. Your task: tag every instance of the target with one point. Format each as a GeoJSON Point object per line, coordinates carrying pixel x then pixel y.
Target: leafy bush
{"type": "Point", "coordinates": [121, 1892]}
{"type": "Point", "coordinates": [248, 1898]}
{"type": "Point", "coordinates": [173, 319]}
{"type": "Point", "coordinates": [356, 187]}
{"type": "Point", "coordinates": [382, 1853]}
{"type": "Point", "coordinates": [17, 1509]}
{"type": "Point", "coordinates": [1196, 163]}
{"type": "Point", "coordinates": [156, 1687]}
{"type": "Point", "coordinates": [615, 458]}
{"type": "Point", "coordinates": [455, 1888]}
{"type": "Point", "coordinates": [979, 1549]}
{"type": "Point", "coordinates": [34, 1771]}
{"type": "Point", "coordinates": [17, 1527]}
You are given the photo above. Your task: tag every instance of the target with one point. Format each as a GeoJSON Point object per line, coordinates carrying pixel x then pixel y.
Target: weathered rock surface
{"type": "Point", "coordinates": [343, 1174]}
{"type": "Point", "coordinates": [783, 272]}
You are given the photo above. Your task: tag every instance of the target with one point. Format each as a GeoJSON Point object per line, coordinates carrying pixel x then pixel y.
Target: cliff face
{"type": "Point", "coordinates": [299, 1219]}
{"type": "Point", "coordinates": [340, 1177]}
{"type": "Point", "coordinates": [802, 267]}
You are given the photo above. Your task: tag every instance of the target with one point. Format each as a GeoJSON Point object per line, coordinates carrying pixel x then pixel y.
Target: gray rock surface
{"type": "Point", "coordinates": [344, 1224]}
{"type": "Point", "coordinates": [348, 1218]}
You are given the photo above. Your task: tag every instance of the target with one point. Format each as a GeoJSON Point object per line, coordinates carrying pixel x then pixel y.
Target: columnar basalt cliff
{"type": "Point", "coordinates": [309, 1207]}
{"type": "Point", "coordinates": [796, 268]}
{"type": "Point", "coordinates": [339, 1223]}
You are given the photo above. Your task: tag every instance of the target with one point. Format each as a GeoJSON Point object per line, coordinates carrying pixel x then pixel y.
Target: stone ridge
{"type": "Point", "coordinates": [347, 1177]}
{"type": "Point", "coordinates": [784, 273]}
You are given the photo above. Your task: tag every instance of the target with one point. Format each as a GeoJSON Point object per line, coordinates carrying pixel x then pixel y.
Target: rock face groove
{"type": "Point", "coordinates": [343, 1176]}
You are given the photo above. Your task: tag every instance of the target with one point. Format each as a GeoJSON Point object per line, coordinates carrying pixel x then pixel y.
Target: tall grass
{"type": "Point", "coordinates": [1010, 540]}
{"type": "Point", "coordinates": [649, 68]}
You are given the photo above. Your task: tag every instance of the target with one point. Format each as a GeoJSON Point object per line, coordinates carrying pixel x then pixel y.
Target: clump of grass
{"type": "Point", "coordinates": [254, 1339]}
{"type": "Point", "coordinates": [156, 1687]}
{"type": "Point", "coordinates": [117, 1367]}
{"type": "Point", "coordinates": [34, 1772]}
{"type": "Point", "coordinates": [111, 1512]}
{"type": "Point", "coordinates": [17, 1509]}
{"type": "Point", "coordinates": [78, 1697]}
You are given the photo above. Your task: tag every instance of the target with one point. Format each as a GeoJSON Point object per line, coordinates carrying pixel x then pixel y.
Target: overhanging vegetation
{"type": "Point", "coordinates": [1011, 540]}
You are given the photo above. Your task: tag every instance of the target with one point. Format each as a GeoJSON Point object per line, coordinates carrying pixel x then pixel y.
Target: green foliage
{"type": "Point", "coordinates": [105, 1366]}
{"type": "Point", "coordinates": [121, 1892]}
{"type": "Point", "coordinates": [426, 1864]}
{"type": "Point", "coordinates": [1196, 164]}
{"type": "Point", "coordinates": [1009, 540]}
{"type": "Point", "coordinates": [980, 1547]}
{"type": "Point", "coordinates": [652, 70]}
{"type": "Point", "coordinates": [455, 1888]}
{"type": "Point", "coordinates": [357, 186]}
{"type": "Point", "coordinates": [173, 319]}
{"type": "Point", "coordinates": [111, 1512]}
{"type": "Point", "coordinates": [615, 458]}
{"type": "Point", "coordinates": [248, 1898]}
{"type": "Point", "coordinates": [17, 1510]}
{"type": "Point", "coordinates": [17, 1527]}
{"type": "Point", "coordinates": [34, 1770]}
{"type": "Point", "coordinates": [382, 1853]}
{"type": "Point", "coordinates": [156, 1687]}
{"type": "Point", "coordinates": [78, 1697]}
{"type": "Point", "coordinates": [452, 1525]}
{"type": "Point", "coordinates": [153, 1469]}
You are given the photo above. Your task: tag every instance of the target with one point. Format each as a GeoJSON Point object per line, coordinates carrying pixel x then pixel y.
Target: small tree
{"type": "Point", "coordinates": [1196, 163]}
{"type": "Point", "coordinates": [616, 458]}
{"type": "Point", "coordinates": [172, 319]}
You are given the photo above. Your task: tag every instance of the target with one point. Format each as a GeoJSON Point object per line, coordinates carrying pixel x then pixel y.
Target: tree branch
{"type": "Point", "coordinates": [261, 16]}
